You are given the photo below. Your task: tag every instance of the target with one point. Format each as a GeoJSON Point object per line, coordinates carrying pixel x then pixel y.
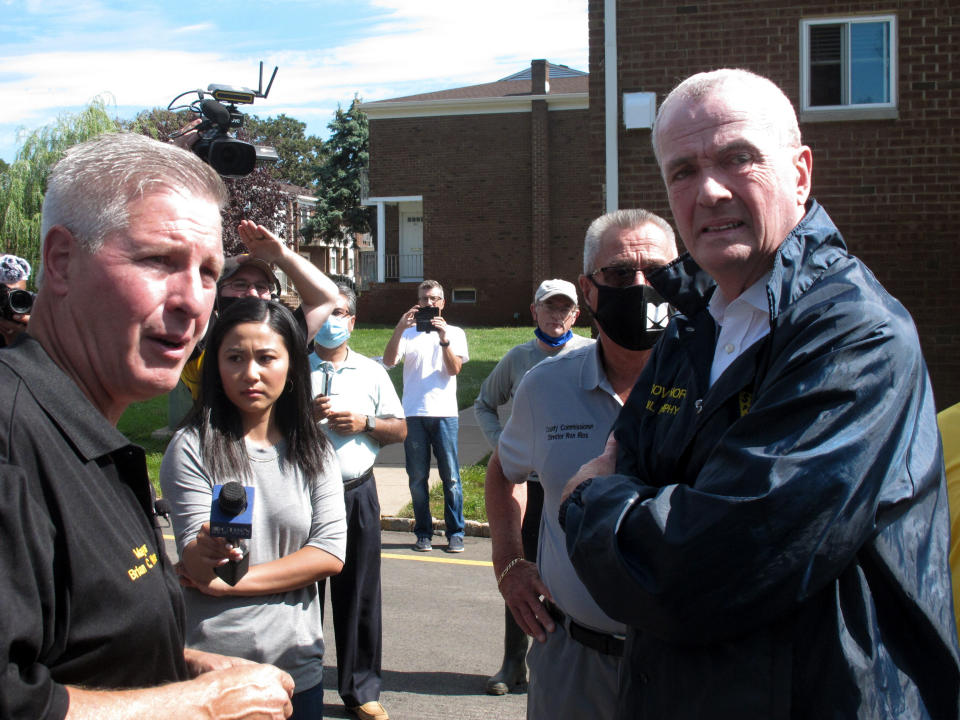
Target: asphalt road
{"type": "Point", "coordinates": [442, 635]}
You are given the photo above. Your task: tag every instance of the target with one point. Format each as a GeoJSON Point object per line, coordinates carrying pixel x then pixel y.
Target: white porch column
{"type": "Point", "coordinates": [610, 104]}
{"type": "Point", "coordinates": [381, 241]}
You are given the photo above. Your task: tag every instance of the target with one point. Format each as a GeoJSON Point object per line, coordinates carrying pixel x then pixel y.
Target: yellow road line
{"type": "Point", "coordinates": [396, 556]}
{"type": "Point", "coordinates": [451, 561]}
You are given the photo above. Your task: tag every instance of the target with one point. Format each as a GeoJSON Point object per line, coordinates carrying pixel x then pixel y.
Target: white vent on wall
{"type": "Point", "coordinates": [639, 109]}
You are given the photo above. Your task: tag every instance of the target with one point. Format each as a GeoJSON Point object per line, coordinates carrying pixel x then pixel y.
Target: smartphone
{"type": "Point", "coordinates": [423, 316]}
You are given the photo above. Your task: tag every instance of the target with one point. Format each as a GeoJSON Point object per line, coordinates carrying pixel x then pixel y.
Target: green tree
{"type": "Point", "coordinates": [342, 178]}
{"type": "Point", "coordinates": [23, 183]}
{"type": "Point", "coordinates": [257, 196]}
{"type": "Point", "coordinates": [300, 154]}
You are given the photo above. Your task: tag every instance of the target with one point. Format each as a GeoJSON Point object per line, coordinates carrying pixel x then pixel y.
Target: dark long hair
{"type": "Point", "coordinates": [217, 420]}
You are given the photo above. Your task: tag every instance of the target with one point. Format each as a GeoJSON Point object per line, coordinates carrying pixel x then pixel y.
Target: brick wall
{"type": "Point", "coordinates": [888, 184]}
{"type": "Point", "coordinates": [476, 178]}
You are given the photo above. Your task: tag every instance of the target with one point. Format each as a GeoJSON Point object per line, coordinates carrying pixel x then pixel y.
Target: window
{"type": "Point", "coordinates": [848, 68]}
{"type": "Point", "coordinates": [464, 295]}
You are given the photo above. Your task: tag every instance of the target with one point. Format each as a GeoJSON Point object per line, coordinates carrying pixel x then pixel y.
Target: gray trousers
{"type": "Point", "coordinates": [569, 681]}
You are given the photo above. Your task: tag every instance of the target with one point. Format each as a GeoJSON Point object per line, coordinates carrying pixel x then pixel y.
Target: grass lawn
{"type": "Point", "coordinates": [138, 423]}
{"type": "Point", "coordinates": [474, 508]}
{"type": "Point", "coordinates": [486, 346]}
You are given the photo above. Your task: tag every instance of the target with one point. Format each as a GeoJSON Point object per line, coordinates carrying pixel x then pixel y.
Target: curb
{"type": "Point", "coordinates": [399, 524]}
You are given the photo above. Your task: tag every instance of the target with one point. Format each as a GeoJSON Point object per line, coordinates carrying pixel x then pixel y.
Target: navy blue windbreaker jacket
{"type": "Point", "coordinates": [778, 542]}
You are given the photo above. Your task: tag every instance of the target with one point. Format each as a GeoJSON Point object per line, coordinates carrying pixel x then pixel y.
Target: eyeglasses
{"type": "Point", "coordinates": [243, 286]}
{"type": "Point", "coordinates": [432, 299]}
{"type": "Point", "coordinates": [563, 311]}
{"type": "Point", "coordinates": [618, 276]}
{"type": "Point", "coordinates": [340, 312]}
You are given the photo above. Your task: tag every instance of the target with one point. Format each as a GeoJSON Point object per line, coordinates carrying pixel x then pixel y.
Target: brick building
{"type": "Point", "coordinates": [481, 188]}
{"type": "Point", "coordinates": [877, 89]}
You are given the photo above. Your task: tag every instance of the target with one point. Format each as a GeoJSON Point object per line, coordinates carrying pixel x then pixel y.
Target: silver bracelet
{"type": "Point", "coordinates": [507, 569]}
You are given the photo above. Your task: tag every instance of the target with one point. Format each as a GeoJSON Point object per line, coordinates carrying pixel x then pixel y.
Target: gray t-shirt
{"type": "Point", "coordinates": [562, 414]}
{"type": "Point", "coordinates": [503, 380]}
{"type": "Point", "coordinates": [289, 512]}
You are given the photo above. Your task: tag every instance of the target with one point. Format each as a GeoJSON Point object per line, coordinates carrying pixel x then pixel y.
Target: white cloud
{"type": "Point", "coordinates": [144, 59]}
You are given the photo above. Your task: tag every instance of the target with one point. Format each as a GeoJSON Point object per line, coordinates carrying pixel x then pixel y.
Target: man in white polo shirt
{"type": "Point", "coordinates": [360, 412]}
{"type": "Point", "coordinates": [562, 414]}
{"type": "Point", "coordinates": [432, 359]}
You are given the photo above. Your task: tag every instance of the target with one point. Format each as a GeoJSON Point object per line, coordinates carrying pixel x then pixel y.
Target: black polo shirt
{"type": "Point", "coordinates": [87, 594]}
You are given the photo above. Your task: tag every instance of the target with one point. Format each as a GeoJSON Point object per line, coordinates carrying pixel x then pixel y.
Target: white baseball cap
{"type": "Point", "coordinates": [549, 288]}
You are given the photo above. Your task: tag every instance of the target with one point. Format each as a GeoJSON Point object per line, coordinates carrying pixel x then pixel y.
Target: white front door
{"type": "Point", "coordinates": [411, 243]}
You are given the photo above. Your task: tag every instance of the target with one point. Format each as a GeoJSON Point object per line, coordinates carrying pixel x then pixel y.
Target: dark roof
{"type": "Point", "coordinates": [556, 71]}
{"type": "Point", "coordinates": [571, 81]}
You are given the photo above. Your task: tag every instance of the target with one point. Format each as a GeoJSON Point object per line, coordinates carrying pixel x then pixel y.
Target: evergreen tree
{"type": "Point", "coordinates": [23, 183]}
{"type": "Point", "coordinates": [342, 178]}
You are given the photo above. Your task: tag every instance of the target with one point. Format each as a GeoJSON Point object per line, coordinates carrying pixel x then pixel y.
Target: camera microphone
{"type": "Point", "coordinates": [231, 517]}
{"type": "Point", "coordinates": [216, 113]}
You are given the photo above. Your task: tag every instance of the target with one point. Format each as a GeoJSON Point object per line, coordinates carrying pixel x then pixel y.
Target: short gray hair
{"type": "Point", "coordinates": [90, 189]}
{"type": "Point", "coordinates": [428, 284]}
{"type": "Point", "coordinates": [350, 296]}
{"type": "Point", "coordinates": [627, 219]}
{"type": "Point", "coordinates": [771, 103]}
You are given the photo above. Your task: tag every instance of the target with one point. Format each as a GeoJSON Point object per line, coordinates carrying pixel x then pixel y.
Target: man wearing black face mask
{"type": "Point", "coordinates": [562, 413]}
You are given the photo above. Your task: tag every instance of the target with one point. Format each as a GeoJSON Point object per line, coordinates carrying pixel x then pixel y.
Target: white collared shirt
{"type": "Point", "coordinates": [742, 321]}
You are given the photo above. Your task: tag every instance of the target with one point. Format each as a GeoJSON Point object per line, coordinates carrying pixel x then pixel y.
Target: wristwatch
{"type": "Point", "coordinates": [371, 424]}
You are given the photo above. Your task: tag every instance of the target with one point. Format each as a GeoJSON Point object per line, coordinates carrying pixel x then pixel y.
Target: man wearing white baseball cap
{"type": "Point", "coordinates": [554, 310]}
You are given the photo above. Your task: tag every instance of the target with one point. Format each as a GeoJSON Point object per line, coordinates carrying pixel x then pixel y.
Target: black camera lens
{"type": "Point", "coordinates": [15, 302]}
{"type": "Point", "coordinates": [232, 157]}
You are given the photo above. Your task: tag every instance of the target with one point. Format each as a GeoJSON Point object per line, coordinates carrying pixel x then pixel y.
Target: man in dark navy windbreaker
{"type": "Point", "coordinates": [771, 520]}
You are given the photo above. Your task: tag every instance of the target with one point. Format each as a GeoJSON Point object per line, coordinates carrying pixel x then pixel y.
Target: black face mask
{"type": "Point", "coordinates": [224, 301]}
{"type": "Point", "coordinates": [633, 317]}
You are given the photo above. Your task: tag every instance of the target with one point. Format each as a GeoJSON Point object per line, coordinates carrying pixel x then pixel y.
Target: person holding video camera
{"type": "Point", "coordinates": [254, 424]}
{"type": "Point", "coordinates": [14, 298]}
{"type": "Point", "coordinates": [433, 353]}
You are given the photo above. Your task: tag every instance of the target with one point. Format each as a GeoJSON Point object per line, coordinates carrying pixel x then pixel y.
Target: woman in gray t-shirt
{"type": "Point", "coordinates": [254, 425]}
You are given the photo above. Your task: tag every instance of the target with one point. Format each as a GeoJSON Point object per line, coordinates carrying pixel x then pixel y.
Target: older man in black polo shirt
{"type": "Point", "coordinates": [91, 607]}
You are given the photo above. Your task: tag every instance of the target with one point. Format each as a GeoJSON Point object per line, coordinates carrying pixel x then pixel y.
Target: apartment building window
{"type": "Point", "coordinates": [464, 295]}
{"type": "Point", "coordinates": [848, 68]}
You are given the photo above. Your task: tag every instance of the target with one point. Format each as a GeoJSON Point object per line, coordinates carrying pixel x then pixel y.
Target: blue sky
{"type": "Point", "coordinates": [56, 55]}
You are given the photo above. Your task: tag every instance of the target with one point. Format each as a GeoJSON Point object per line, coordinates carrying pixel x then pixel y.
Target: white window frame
{"type": "Point", "coordinates": [872, 111]}
{"type": "Point", "coordinates": [464, 295]}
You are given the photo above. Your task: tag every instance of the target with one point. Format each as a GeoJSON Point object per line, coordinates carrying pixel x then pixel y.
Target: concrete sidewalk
{"type": "Point", "coordinates": [392, 485]}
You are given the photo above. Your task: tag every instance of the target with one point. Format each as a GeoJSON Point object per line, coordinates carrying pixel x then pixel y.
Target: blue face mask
{"type": "Point", "coordinates": [334, 333]}
{"type": "Point", "coordinates": [551, 341]}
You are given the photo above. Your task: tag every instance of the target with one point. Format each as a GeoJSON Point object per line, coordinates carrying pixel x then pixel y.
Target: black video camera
{"type": "Point", "coordinates": [217, 146]}
{"type": "Point", "coordinates": [14, 302]}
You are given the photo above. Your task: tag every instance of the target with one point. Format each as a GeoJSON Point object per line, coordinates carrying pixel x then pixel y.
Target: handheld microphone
{"type": "Point", "coordinates": [231, 517]}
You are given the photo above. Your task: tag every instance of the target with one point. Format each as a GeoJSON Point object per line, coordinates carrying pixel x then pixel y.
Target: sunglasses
{"type": "Point", "coordinates": [618, 276]}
